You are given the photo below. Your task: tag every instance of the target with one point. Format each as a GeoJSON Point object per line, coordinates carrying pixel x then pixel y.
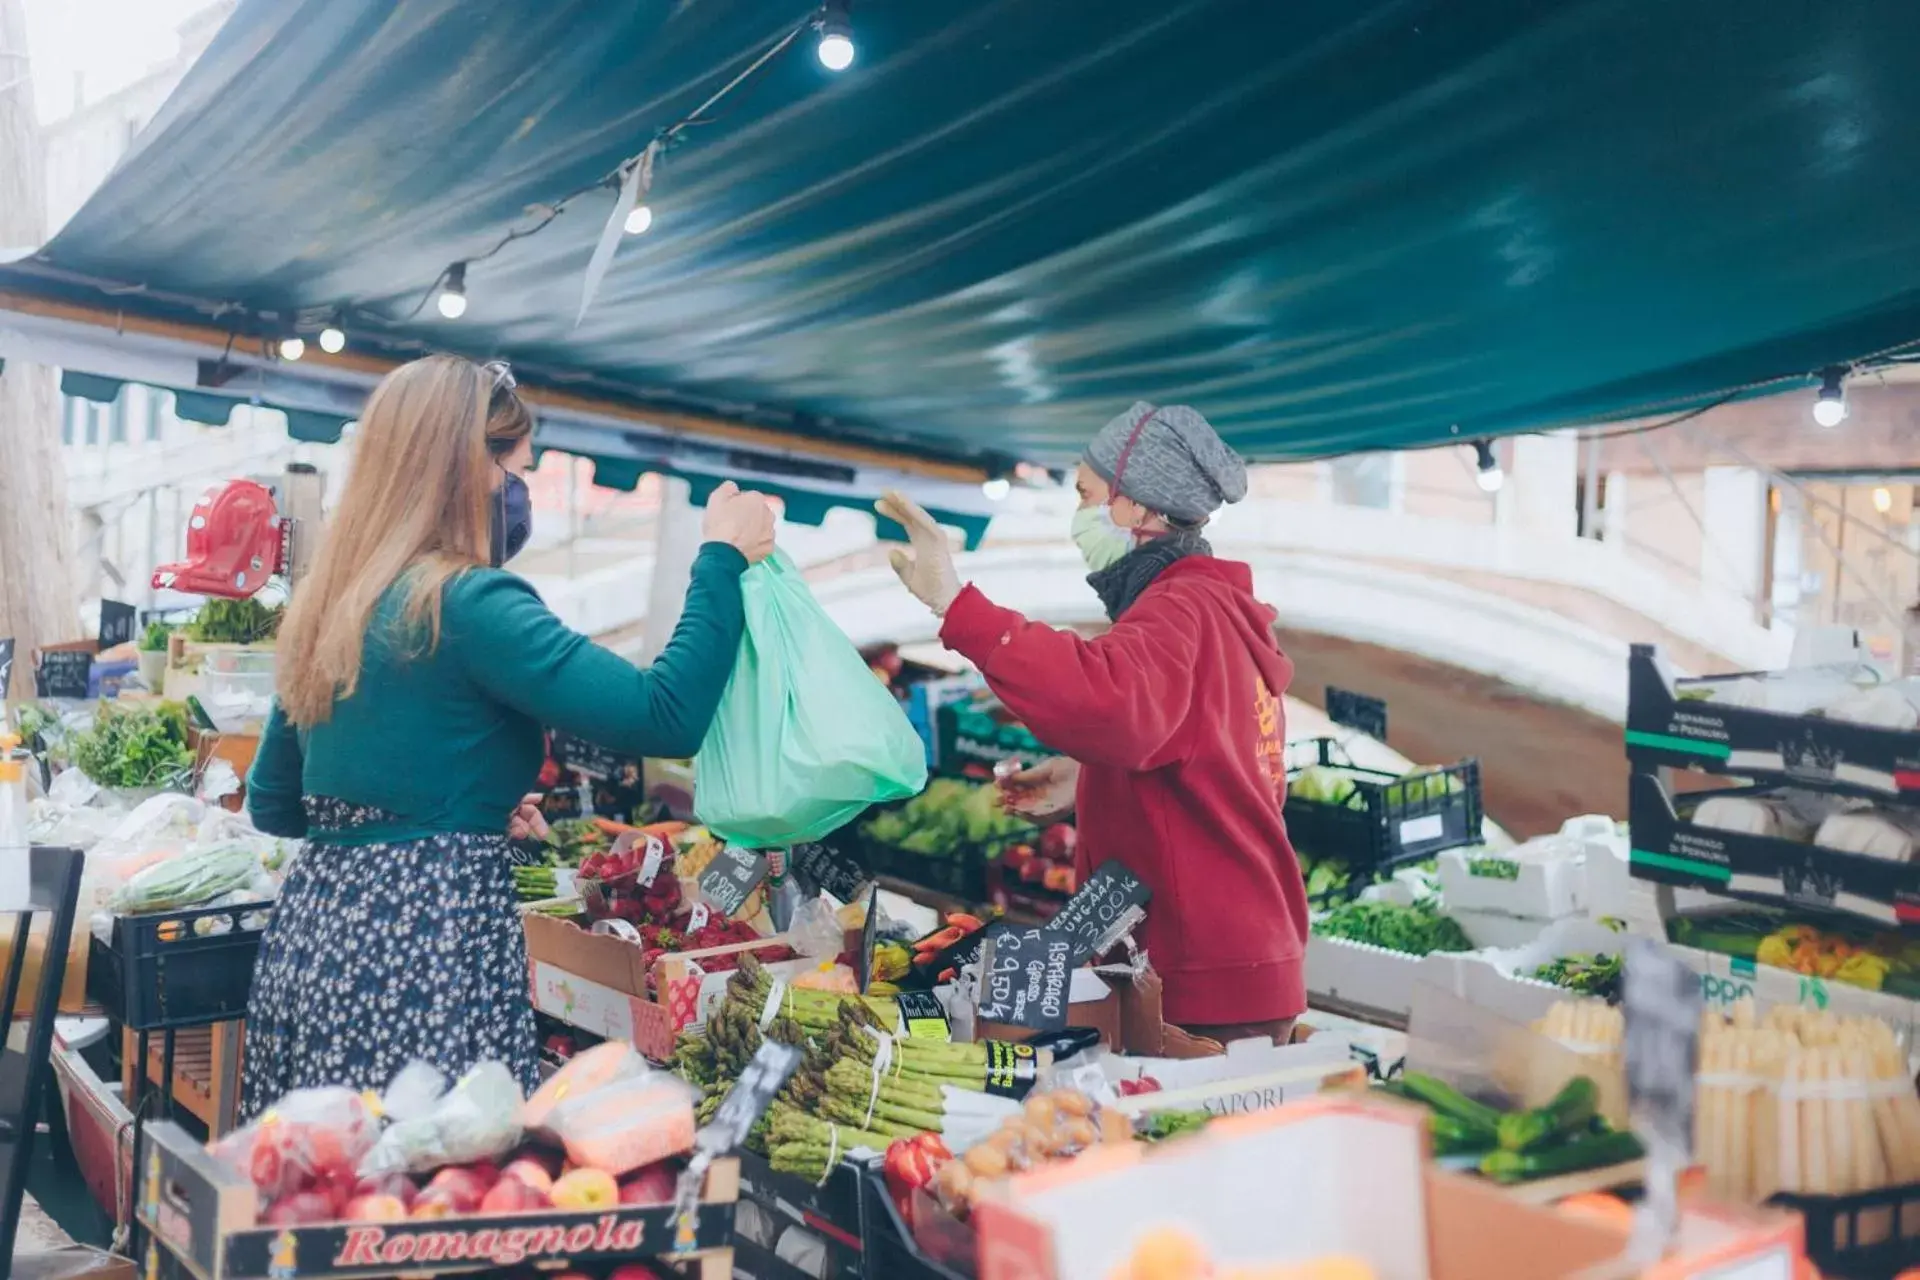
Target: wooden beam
{"type": "Point", "coordinates": [704, 426]}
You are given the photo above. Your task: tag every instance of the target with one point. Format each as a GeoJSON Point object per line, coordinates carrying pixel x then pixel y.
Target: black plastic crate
{"type": "Point", "coordinates": [832, 1210]}
{"type": "Point", "coordinates": [1671, 724]}
{"type": "Point", "coordinates": [892, 1253]}
{"type": "Point", "coordinates": [962, 875]}
{"type": "Point", "coordinates": [1388, 820]}
{"type": "Point", "coordinates": [1870, 1235]}
{"type": "Point", "coordinates": [179, 968]}
{"type": "Point", "coordinates": [1666, 846]}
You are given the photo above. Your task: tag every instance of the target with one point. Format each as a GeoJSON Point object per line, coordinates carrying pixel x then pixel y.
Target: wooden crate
{"type": "Point", "coordinates": [206, 1070]}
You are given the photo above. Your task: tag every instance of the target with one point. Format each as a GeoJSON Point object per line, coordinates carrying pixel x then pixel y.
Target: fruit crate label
{"type": "Point", "coordinates": [1415, 830]}
{"type": "Point", "coordinates": [1102, 910]}
{"type": "Point", "coordinates": [116, 623]}
{"type": "Point", "coordinates": [1027, 978]}
{"type": "Point", "coordinates": [831, 870]}
{"type": "Point", "coordinates": [731, 878]}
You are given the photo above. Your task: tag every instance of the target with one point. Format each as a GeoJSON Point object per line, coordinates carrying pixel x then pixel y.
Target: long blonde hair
{"type": "Point", "coordinates": [416, 506]}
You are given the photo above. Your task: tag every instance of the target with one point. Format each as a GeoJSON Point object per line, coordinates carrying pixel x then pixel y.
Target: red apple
{"type": "Point", "coordinates": [633, 1271]}
{"type": "Point", "coordinates": [546, 1157]}
{"type": "Point", "coordinates": [460, 1184]}
{"type": "Point", "coordinates": [654, 1184]}
{"type": "Point", "coordinates": [398, 1185]}
{"type": "Point", "coordinates": [1057, 842]}
{"type": "Point", "coordinates": [510, 1195]}
{"type": "Point", "coordinates": [435, 1204]}
{"type": "Point", "coordinates": [375, 1208]}
{"type": "Point", "coordinates": [302, 1208]}
{"type": "Point", "coordinates": [529, 1171]}
{"type": "Point", "coordinates": [586, 1189]}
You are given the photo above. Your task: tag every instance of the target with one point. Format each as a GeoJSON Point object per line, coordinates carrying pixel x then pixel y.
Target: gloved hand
{"type": "Point", "coordinates": [926, 564]}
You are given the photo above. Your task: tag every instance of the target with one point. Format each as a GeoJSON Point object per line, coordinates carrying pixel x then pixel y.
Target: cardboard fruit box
{"type": "Point", "coordinates": [1333, 1176]}
{"type": "Point", "coordinates": [598, 982]}
{"type": "Point", "coordinates": [205, 1214]}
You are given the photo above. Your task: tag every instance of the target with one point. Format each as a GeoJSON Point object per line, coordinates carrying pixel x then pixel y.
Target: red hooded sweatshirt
{"type": "Point", "coordinates": [1176, 720]}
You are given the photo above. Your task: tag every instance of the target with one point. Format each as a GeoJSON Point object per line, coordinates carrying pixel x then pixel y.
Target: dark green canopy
{"type": "Point", "coordinates": [1329, 224]}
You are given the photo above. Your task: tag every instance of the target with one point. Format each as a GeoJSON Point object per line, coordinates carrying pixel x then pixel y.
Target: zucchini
{"type": "Point", "coordinates": [1453, 1137]}
{"type": "Point", "coordinates": [1568, 1113]}
{"type": "Point", "coordinates": [1591, 1152]}
{"type": "Point", "coordinates": [1447, 1100]}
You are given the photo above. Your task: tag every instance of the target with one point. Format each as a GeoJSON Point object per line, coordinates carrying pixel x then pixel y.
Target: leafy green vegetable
{"type": "Point", "coordinates": [1590, 974]}
{"type": "Point", "coordinates": [234, 622]}
{"type": "Point", "coordinates": [947, 819]}
{"type": "Point", "coordinates": [135, 746]}
{"type": "Point", "coordinates": [1416, 930]}
{"type": "Point", "coordinates": [1162, 1125]}
{"type": "Point", "coordinates": [156, 636]}
{"type": "Point", "coordinates": [1494, 868]}
{"type": "Point", "coordinates": [187, 880]}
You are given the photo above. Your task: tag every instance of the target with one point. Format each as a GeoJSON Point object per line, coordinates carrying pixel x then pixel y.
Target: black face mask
{"type": "Point", "coordinates": [512, 518]}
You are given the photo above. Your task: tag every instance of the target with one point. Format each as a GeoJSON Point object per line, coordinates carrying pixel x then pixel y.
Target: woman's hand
{"type": "Point", "coordinates": [926, 567]}
{"type": "Point", "coordinates": [1043, 793]}
{"type": "Point", "coordinates": [527, 822]}
{"type": "Point", "coordinates": [744, 521]}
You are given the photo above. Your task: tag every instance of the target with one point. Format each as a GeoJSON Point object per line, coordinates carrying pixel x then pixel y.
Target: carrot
{"type": "Point", "coordinates": [665, 830]}
{"type": "Point", "coordinates": [612, 828]}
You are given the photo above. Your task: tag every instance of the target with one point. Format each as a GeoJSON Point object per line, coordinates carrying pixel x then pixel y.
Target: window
{"type": "Point", "coordinates": [70, 411]}
{"type": "Point", "coordinates": [92, 420]}
{"type": "Point", "coordinates": [117, 419]}
{"type": "Point", "coordinates": [1598, 523]}
{"type": "Point", "coordinates": [1363, 480]}
{"type": "Point", "coordinates": [155, 421]}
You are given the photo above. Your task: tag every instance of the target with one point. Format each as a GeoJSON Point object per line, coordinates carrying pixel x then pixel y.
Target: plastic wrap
{"type": "Point", "coordinates": [586, 1071]}
{"type": "Point", "coordinates": [635, 1121]}
{"type": "Point", "coordinates": [477, 1119]}
{"type": "Point", "coordinates": [311, 1140]}
{"type": "Point", "coordinates": [1873, 833]}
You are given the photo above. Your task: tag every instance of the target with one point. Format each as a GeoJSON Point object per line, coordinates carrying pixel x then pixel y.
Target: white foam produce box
{"type": "Point", "coordinates": [1251, 1076]}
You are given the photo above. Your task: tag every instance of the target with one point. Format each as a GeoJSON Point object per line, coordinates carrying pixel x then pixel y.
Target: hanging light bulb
{"type": "Point", "coordinates": [333, 340]}
{"type": "Point", "coordinates": [639, 220]}
{"type": "Point", "coordinates": [1488, 474]}
{"type": "Point", "coordinates": [836, 36]}
{"type": "Point", "coordinates": [292, 348]}
{"type": "Point", "coordinates": [453, 293]}
{"type": "Point", "coordinates": [1830, 405]}
{"type": "Point", "coordinates": [997, 489]}
{"type": "Point", "coordinates": [1883, 499]}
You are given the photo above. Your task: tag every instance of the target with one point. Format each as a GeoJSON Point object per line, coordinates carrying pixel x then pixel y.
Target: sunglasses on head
{"type": "Point", "coordinates": [501, 373]}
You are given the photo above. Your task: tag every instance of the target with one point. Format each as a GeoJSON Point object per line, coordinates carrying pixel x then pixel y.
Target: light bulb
{"type": "Point", "coordinates": [1883, 500]}
{"type": "Point", "coordinates": [836, 51]}
{"type": "Point", "coordinates": [997, 488]}
{"type": "Point", "coordinates": [639, 220]}
{"type": "Point", "coordinates": [332, 340]}
{"type": "Point", "coordinates": [292, 348]}
{"type": "Point", "coordinates": [1490, 480]}
{"type": "Point", "coordinates": [453, 294]}
{"type": "Point", "coordinates": [1830, 405]}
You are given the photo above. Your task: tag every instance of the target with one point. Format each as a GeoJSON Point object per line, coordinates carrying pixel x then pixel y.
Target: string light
{"type": "Point", "coordinates": [1487, 474]}
{"type": "Point", "coordinates": [997, 488]}
{"type": "Point", "coordinates": [333, 340]}
{"type": "Point", "coordinates": [1883, 499]}
{"type": "Point", "coordinates": [836, 37]}
{"type": "Point", "coordinates": [453, 292]}
{"type": "Point", "coordinates": [639, 220]}
{"type": "Point", "coordinates": [292, 348]}
{"type": "Point", "coordinates": [1830, 405]}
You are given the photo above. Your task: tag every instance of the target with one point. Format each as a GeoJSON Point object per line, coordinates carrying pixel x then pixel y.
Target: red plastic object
{"type": "Point", "coordinates": [235, 542]}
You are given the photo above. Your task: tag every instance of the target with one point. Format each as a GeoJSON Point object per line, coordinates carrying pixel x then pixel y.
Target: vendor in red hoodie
{"type": "Point", "coordinates": [1171, 721]}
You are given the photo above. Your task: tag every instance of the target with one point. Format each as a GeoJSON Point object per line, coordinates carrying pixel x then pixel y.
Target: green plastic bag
{"type": "Point", "coordinates": [806, 736]}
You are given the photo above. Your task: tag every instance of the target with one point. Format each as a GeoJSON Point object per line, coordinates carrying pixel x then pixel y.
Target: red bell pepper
{"type": "Point", "coordinates": [910, 1165]}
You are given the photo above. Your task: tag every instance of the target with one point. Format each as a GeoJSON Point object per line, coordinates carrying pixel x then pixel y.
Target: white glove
{"type": "Point", "coordinates": [926, 564]}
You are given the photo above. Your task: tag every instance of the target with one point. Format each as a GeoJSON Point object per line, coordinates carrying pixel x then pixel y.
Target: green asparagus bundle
{"type": "Point", "coordinates": [535, 884]}
{"type": "Point", "coordinates": [751, 986]}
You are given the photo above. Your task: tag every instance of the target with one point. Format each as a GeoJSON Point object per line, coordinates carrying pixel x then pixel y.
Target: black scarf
{"type": "Point", "coordinates": [1120, 583]}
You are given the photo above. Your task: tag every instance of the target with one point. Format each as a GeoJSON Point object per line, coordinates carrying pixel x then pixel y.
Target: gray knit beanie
{"type": "Point", "coordinates": [1169, 460]}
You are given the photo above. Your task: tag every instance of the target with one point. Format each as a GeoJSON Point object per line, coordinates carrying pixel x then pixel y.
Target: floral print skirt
{"type": "Point", "coordinates": [381, 954]}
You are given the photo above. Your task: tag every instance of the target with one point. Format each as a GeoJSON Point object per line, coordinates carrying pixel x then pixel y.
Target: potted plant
{"type": "Point", "coordinates": [153, 654]}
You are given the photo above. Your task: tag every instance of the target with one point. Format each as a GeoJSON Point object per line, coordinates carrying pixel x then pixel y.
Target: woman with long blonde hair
{"type": "Point", "coordinates": [415, 678]}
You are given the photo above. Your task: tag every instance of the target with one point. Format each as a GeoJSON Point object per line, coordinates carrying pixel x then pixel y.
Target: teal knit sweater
{"type": "Point", "coordinates": [449, 741]}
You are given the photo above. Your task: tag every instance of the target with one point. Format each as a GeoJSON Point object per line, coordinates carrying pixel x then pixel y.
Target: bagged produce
{"type": "Point", "coordinates": [805, 738]}
{"type": "Point", "coordinates": [584, 1072]}
{"type": "Point", "coordinates": [1875, 833]}
{"type": "Point", "coordinates": [188, 880]}
{"type": "Point", "coordinates": [310, 1141]}
{"type": "Point", "coordinates": [637, 1120]}
{"type": "Point", "coordinates": [477, 1119]}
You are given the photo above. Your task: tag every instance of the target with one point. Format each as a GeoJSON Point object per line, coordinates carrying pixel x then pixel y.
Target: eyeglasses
{"type": "Point", "coordinates": [502, 375]}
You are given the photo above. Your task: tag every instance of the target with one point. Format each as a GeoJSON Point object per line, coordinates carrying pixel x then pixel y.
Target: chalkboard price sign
{"type": "Point", "coordinates": [116, 623]}
{"type": "Point", "coordinates": [1104, 909]}
{"type": "Point", "coordinates": [62, 673]}
{"type": "Point", "coordinates": [731, 878]}
{"type": "Point", "coordinates": [1027, 979]}
{"type": "Point", "coordinates": [6, 665]}
{"type": "Point", "coordinates": [831, 870]}
{"type": "Point", "coordinates": [589, 758]}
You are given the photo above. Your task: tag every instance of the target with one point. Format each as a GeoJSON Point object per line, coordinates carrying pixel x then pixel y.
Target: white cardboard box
{"type": "Point", "coordinates": [1372, 978]}
{"type": "Point", "coordinates": [1251, 1076]}
{"type": "Point", "coordinates": [1551, 885]}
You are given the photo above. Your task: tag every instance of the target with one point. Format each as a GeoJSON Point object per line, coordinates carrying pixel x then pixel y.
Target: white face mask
{"type": "Point", "coordinates": [1102, 543]}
